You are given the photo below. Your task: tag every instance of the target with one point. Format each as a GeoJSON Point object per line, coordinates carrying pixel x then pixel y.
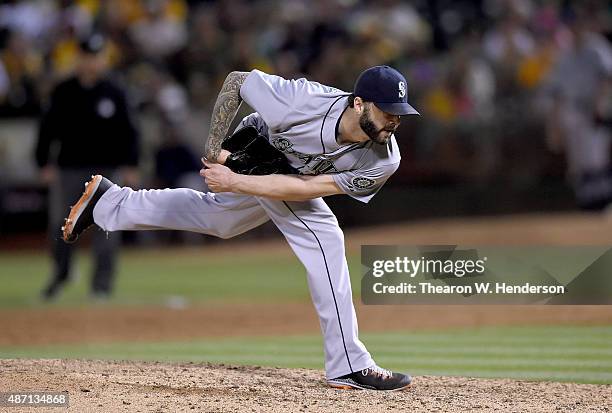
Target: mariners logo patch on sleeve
{"type": "Point", "coordinates": [361, 182]}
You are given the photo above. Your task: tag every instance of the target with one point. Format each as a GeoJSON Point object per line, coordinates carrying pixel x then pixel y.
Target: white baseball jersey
{"type": "Point", "coordinates": [301, 119]}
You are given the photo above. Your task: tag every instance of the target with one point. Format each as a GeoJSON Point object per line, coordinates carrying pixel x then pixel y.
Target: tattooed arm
{"type": "Point", "coordinates": [225, 109]}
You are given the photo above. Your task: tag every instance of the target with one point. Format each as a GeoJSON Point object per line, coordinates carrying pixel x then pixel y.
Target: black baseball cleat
{"type": "Point", "coordinates": [81, 214]}
{"type": "Point", "coordinates": [372, 378]}
{"type": "Point", "coordinates": [52, 290]}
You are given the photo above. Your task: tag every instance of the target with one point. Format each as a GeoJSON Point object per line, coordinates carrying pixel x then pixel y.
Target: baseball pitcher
{"type": "Point", "coordinates": [305, 141]}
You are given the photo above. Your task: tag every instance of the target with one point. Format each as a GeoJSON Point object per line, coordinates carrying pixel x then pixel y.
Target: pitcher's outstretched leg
{"type": "Point", "coordinates": [115, 208]}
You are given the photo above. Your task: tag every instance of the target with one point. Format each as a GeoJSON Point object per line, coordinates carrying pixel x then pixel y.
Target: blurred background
{"type": "Point", "coordinates": [513, 142]}
{"type": "Point", "coordinates": [485, 74]}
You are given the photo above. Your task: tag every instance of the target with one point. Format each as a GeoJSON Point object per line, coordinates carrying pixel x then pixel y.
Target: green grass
{"type": "Point", "coordinates": [150, 277]}
{"type": "Point", "coordinates": [572, 354]}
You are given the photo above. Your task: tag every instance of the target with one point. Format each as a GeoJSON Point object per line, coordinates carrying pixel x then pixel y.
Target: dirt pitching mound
{"type": "Point", "coordinates": [160, 387]}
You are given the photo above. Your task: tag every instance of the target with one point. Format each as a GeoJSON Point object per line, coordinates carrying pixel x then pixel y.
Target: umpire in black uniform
{"type": "Point", "coordinates": [86, 128]}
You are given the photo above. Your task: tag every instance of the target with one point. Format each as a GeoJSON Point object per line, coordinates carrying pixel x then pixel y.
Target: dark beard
{"type": "Point", "coordinates": [370, 129]}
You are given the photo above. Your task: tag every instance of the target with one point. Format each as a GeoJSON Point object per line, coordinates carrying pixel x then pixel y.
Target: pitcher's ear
{"type": "Point", "coordinates": [358, 104]}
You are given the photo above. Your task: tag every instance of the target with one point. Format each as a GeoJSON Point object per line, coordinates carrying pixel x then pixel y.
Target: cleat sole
{"type": "Point", "coordinates": [77, 209]}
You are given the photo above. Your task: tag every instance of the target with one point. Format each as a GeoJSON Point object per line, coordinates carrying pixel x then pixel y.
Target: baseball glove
{"type": "Point", "coordinates": [252, 154]}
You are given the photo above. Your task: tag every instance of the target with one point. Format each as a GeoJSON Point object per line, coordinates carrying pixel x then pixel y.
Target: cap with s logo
{"type": "Point", "coordinates": [386, 88]}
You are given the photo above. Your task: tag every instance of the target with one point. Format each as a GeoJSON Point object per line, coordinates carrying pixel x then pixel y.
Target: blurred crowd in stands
{"type": "Point", "coordinates": [477, 70]}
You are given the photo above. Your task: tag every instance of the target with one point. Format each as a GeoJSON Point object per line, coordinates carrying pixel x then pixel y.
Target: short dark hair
{"type": "Point", "coordinates": [351, 100]}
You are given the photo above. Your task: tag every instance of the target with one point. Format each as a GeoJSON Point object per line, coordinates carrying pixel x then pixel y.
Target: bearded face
{"type": "Point", "coordinates": [372, 127]}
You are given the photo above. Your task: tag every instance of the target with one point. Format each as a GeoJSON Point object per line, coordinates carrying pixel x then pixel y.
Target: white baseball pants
{"type": "Point", "coordinates": [310, 227]}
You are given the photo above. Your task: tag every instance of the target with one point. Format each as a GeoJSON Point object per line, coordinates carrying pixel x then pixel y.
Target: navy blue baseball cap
{"type": "Point", "coordinates": [386, 88]}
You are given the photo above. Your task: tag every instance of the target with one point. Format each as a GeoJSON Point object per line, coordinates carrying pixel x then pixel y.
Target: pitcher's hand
{"type": "Point", "coordinates": [219, 178]}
